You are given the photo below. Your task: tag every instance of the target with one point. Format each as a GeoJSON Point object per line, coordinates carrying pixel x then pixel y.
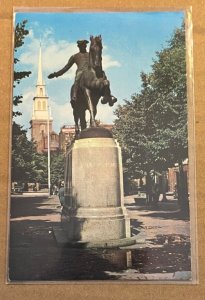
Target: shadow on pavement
{"type": "Point", "coordinates": [136, 226]}
{"type": "Point", "coordinates": [176, 215]}
{"type": "Point", "coordinates": [35, 256]}
{"type": "Point", "coordinates": [163, 210]}
{"type": "Point", "coordinates": [32, 206]}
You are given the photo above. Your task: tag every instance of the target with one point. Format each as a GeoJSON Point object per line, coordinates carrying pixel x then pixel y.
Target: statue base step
{"type": "Point", "coordinates": [95, 224]}
{"type": "Point", "coordinates": [63, 241]}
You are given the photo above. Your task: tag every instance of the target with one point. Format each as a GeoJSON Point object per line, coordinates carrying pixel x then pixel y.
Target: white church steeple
{"type": "Point", "coordinates": [40, 104]}
{"type": "Point", "coordinates": [40, 87]}
{"type": "Point", "coordinates": [41, 122]}
{"type": "Point", "coordinates": [40, 74]}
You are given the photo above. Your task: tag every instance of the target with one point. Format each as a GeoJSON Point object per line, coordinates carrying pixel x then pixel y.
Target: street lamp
{"type": "Point", "coordinates": [48, 141]}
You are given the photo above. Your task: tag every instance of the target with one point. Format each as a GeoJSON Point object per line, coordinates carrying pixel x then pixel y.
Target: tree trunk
{"type": "Point", "coordinates": [182, 190]}
{"type": "Point", "coordinates": [164, 185]}
{"type": "Point", "coordinates": [148, 189]}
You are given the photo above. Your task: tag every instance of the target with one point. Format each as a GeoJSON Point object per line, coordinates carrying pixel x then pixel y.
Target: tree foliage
{"type": "Point", "coordinates": [23, 151]}
{"type": "Point", "coordinates": [20, 33]}
{"type": "Point", "coordinates": [57, 167]}
{"type": "Point", "coordinates": [27, 164]}
{"type": "Point", "coordinates": [30, 166]}
{"type": "Point", "coordinates": [152, 126]}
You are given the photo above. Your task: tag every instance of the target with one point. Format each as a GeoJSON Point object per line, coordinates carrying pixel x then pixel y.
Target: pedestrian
{"type": "Point", "coordinates": [55, 190]}
{"type": "Point", "coordinates": [156, 194]}
{"type": "Point", "coordinates": [61, 194]}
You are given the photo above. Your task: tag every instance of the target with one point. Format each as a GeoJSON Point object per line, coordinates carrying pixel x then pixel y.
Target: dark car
{"type": "Point", "coordinates": [17, 190]}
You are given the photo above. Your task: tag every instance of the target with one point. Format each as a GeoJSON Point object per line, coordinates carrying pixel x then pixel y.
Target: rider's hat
{"type": "Point", "coordinates": [82, 42]}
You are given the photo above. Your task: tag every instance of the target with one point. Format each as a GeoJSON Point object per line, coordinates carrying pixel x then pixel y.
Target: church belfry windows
{"type": "Point", "coordinates": [39, 105]}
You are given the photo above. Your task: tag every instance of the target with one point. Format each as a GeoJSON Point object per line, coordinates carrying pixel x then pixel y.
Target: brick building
{"type": "Point", "coordinates": [66, 135]}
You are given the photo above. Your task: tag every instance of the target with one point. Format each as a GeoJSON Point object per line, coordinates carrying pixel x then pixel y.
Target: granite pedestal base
{"type": "Point", "coordinates": [94, 211]}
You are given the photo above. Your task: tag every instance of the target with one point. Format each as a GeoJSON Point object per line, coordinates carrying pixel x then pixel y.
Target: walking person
{"type": "Point", "coordinates": [61, 194]}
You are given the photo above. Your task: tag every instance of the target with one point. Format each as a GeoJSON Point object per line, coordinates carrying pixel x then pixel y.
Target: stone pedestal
{"type": "Point", "coordinates": [94, 212]}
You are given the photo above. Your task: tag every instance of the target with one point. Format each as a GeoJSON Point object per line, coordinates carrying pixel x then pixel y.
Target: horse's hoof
{"type": "Point", "coordinates": [77, 133]}
{"type": "Point", "coordinates": [104, 101]}
{"type": "Point", "coordinates": [114, 100]}
{"type": "Point", "coordinates": [93, 124]}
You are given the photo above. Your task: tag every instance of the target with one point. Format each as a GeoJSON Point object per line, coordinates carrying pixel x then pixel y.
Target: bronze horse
{"type": "Point", "coordinates": [93, 85]}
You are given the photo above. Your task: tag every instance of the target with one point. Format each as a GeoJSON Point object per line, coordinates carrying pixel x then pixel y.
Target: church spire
{"type": "Point", "coordinates": [40, 87]}
{"type": "Point", "coordinates": [40, 104]}
{"type": "Point", "coordinates": [40, 74]}
{"type": "Point", "coordinates": [42, 121]}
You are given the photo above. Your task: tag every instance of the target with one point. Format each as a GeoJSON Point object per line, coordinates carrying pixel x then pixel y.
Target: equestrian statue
{"type": "Point", "coordinates": [90, 84]}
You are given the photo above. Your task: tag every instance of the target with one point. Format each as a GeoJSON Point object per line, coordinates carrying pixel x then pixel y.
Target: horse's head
{"type": "Point", "coordinates": [96, 51]}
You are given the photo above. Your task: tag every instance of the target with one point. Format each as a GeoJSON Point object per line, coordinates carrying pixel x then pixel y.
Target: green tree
{"type": "Point", "coordinates": [20, 33]}
{"type": "Point", "coordinates": [169, 110]}
{"type": "Point", "coordinates": [169, 107]}
{"type": "Point", "coordinates": [40, 167]}
{"type": "Point", "coordinates": [152, 127]}
{"type": "Point", "coordinates": [27, 164]}
{"type": "Point", "coordinates": [23, 151]}
{"type": "Point", "coordinates": [57, 167]}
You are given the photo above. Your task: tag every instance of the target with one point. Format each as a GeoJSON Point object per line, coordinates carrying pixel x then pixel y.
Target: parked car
{"type": "Point", "coordinates": [17, 190]}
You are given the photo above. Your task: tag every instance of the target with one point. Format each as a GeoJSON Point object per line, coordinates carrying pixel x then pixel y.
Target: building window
{"type": "Point", "coordinates": [42, 128]}
{"type": "Point", "coordinates": [39, 105]}
{"type": "Point", "coordinates": [44, 105]}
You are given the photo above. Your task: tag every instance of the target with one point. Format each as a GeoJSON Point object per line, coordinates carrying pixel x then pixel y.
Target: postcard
{"type": "Point", "coordinates": [102, 172]}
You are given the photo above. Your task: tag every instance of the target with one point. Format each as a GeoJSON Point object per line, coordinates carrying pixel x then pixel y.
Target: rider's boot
{"type": "Point", "coordinates": [74, 94]}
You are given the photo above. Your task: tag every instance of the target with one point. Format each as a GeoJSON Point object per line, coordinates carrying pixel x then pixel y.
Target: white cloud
{"type": "Point", "coordinates": [105, 113]}
{"type": "Point", "coordinates": [62, 114]}
{"type": "Point", "coordinates": [55, 54]}
{"type": "Point", "coordinates": [30, 34]}
{"type": "Point", "coordinates": [49, 31]}
{"type": "Point", "coordinates": [108, 62]}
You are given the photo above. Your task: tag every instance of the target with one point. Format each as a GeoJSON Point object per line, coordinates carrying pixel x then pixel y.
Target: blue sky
{"type": "Point", "coordinates": [130, 42]}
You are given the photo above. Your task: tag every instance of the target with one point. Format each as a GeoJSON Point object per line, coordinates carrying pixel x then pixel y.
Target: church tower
{"type": "Point", "coordinates": [40, 116]}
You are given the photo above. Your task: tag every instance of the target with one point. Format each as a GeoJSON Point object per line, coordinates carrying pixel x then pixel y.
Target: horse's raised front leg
{"type": "Point", "coordinates": [107, 97]}
{"type": "Point", "coordinates": [90, 107]}
{"type": "Point", "coordinates": [106, 92]}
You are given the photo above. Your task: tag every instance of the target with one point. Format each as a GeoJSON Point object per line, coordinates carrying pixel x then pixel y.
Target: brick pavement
{"type": "Point", "coordinates": [165, 219]}
{"type": "Point", "coordinates": [35, 256]}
